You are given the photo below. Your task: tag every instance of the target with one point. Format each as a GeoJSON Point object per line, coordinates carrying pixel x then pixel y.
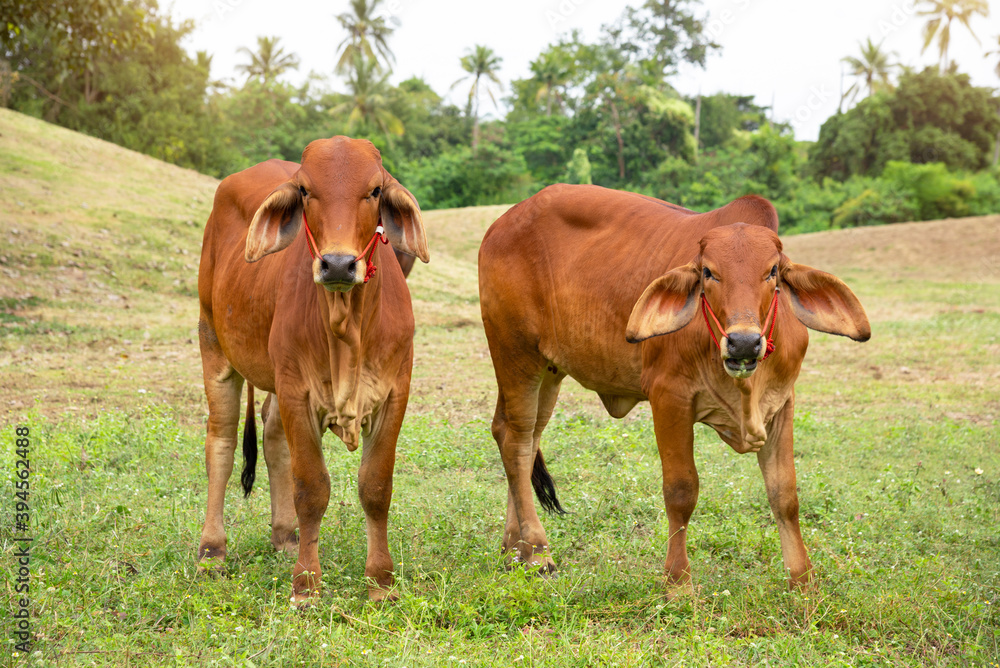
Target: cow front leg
{"type": "Point", "coordinates": [378, 460]}
{"type": "Point", "coordinates": [279, 475]}
{"type": "Point", "coordinates": [675, 442]}
{"type": "Point", "coordinates": [222, 389]}
{"type": "Point", "coordinates": [777, 464]}
{"type": "Point", "coordinates": [311, 492]}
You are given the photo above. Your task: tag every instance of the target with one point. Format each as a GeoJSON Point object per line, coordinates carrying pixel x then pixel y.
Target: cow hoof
{"type": "Point", "coordinates": [804, 583]}
{"type": "Point", "coordinates": [305, 600]}
{"type": "Point", "coordinates": [541, 565]}
{"type": "Point", "coordinates": [676, 591]}
{"type": "Point", "coordinates": [380, 595]}
{"type": "Point", "coordinates": [288, 544]}
{"type": "Point", "coordinates": [215, 565]}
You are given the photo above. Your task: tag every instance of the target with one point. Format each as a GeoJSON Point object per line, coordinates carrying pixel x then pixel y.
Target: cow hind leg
{"type": "Point", "coordinates": [223, 386]}
{"type": "Point", "coordinates": [279, 475]}
{"type": "Point", "coordinates": [541, 481]}
{"type": "Point", "coordinates": [523, 410]}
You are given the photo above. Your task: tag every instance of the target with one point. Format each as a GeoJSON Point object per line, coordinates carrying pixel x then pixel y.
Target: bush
{"type": "Point", "coordinates": [491, 175]}
{"type": "Point", "coordinates": [876, 205]}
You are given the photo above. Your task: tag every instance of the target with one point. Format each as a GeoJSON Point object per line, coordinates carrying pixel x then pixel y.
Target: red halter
{"type": "Point", "coordinates": [370, 267]}
{"type": "Point", "coordinates": [772, 318]}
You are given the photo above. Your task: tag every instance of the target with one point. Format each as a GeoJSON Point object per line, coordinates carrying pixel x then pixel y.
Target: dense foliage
{"type": "Point", "coordinates": [600, 112]}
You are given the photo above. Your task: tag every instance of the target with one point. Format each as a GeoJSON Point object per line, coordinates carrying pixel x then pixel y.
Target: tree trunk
{"type": "Point", "coordinates": [697, 127]}
{"type": "Point", "coordinates": [618, 135]}
{"type": "Point", "coordinates": [996, 151]}
{"type": "Point", "coordinates": [53, 112]}
{"type": "Point", "coordinates": [475, 116]}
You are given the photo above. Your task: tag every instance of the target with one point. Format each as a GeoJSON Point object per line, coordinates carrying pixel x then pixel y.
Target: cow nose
{"type": "Point", "coordinates": [743, 345]}
{"type": "Point", "coordinates": [337, 268]}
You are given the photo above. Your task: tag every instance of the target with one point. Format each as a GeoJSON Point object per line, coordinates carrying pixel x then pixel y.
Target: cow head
{"type": "Point", "coordinates": [738, 269]}
{"type": "Point", "coordinates": [342, 189]}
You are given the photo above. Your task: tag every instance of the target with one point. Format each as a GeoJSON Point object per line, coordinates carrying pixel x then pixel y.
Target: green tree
{"type": "Point", "coordinates": [724, 115]}
{"type": "Point", "coordinates": [268, 62]}
{"type": "Point", "coordinates": [551, 71]}
{"type": "Point", "coordinates": [143, 91]}
{"type": "Point", "coordinates": [942, 13]}
{"type": "Point", "coordinates": [578, 168]}
{"type": "Point", "coordinates": [871, 70]}
{"type": "Point", "coordinates": [482, 65]}
{"type": "Point", "coordinates": [662, 34]}
{"type": "Point", "coordinates": [996, 146]}
{"type": "Point", "coordinates": [367, 36]}
{"type": "Point", "coordinates": [432, 127]}
{"type": "Point", "coordinates": [55, 46]}
{"type": "Point", "coordinates": [368, 107]}
{"type": "Point", "coordinates": [491, 175]}
{"type": "Point", "coordinates": [928, 117]}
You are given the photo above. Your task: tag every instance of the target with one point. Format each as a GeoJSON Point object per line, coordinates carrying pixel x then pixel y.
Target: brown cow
{"type": "Point", "coordinates": [328, 335]}
{"type": "Point", "coordinates": [571, 278]}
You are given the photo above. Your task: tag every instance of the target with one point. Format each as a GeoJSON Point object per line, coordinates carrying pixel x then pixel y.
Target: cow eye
{"type": "Point", "coordinates": [774, 272]}
{"type": "Point", "coordinates": [708, 273]}
{"type": "Point", "coordinates": [302, 191]}
{"type": "Point", "coordinates": [376, 192]}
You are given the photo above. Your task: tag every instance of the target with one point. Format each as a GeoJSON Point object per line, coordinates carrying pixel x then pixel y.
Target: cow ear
{"type": "Point", "coordinates": [823, 302]}
{"type": "Point", "coordinates": [401, 217]}
{"type": "Point", "coordinates": [668, 304]}
{"type": "Point", "coordinates": [276, 223]}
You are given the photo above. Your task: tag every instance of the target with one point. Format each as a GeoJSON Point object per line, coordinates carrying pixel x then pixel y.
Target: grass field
{"type": "Point", "coordinates": [898, 458]}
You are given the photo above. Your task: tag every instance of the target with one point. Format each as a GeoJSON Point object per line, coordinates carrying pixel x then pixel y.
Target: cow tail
{"type": "Point", "coordinates": [249, 446]}
{"type": "Point", "coordinates": [545, 488]}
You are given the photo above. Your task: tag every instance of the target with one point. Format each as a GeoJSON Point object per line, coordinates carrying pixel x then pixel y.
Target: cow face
{"type": "Point", "coordinates": [342, 191]}
{"type": "Point", "coordinates": [736, 273]}
{"type": "Point", "coordinates": [739, 276]}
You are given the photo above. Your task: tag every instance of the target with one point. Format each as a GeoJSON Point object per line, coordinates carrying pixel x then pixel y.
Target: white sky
{"type": "Point", "coordinates": [787, 51]}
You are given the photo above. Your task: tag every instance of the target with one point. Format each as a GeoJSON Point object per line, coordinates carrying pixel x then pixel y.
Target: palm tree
{"type": "Point", "coordinates": [943, 13]}
{"type": "Point", "coordinates": [551, 72]}
{"type": "Point", "coordinates": [368, 106]}
{"type": "Point", "coordinates": [996, 147]}
{"type": "Point", "coordinates": [871, 69]}
{"type": "Point", "coordinates": [366, 34]}
{"type": "Point", "coordinates": [480, 62]}
{"type": "Point", "coordinates": [269, 62]}
{"type": "Point", "coordinates": [996, 53]}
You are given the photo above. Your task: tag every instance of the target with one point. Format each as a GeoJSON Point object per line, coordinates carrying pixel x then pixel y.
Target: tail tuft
{"type": "Point", "coordinates": [249, 446]}
{"type": "Point", "coordinates": [545, 488]}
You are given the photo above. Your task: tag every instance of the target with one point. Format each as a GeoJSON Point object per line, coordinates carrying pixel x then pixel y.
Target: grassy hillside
{"type": "Point", "coordinates": [897, 457]}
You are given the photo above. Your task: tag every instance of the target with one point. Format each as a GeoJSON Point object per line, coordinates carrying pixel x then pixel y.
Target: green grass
{"type": "Point", "coordinates": [897, 458]}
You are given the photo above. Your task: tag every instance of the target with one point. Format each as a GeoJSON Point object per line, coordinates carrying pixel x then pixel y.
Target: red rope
{"type": "Point", "coordinates": [772, 318]}
{"type": "Point", "coordinates": [705, 310]}
{"type": "Point", "coordinates": [370, 267]}
{"type": "Point", "coordinates": [310, 241]}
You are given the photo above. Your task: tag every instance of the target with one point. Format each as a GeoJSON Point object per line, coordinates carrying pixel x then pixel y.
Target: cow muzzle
{"type": "Point", "coordinates": [337, 272]}
{"type": "Point", "coordinates": [741, 352]}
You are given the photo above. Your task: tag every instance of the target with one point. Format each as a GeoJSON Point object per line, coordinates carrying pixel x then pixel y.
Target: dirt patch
{"type": "Point", "coordinates": [955, 249]}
